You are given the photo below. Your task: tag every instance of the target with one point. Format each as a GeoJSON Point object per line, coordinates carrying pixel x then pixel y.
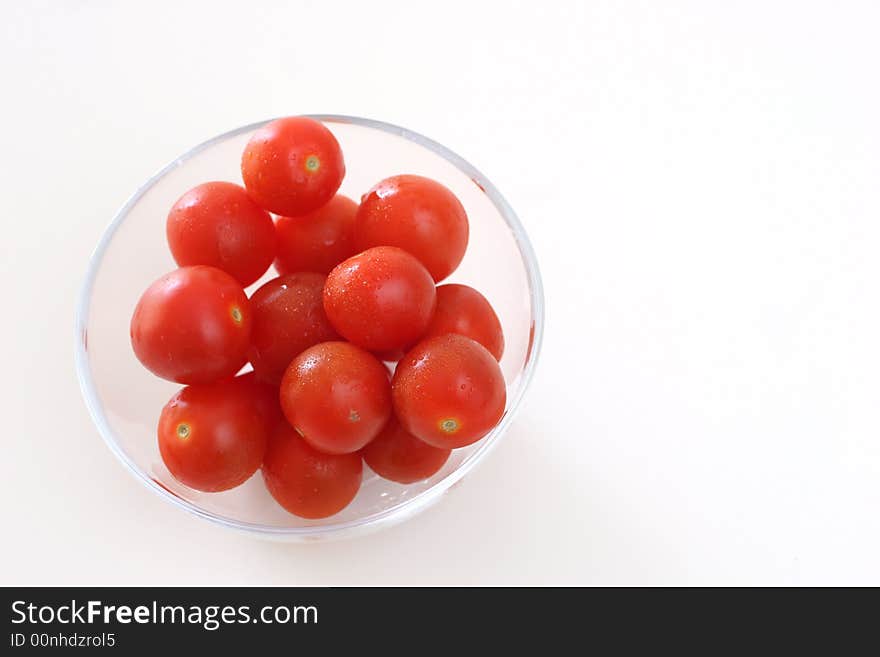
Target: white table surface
{"type": "Point", "coordinates": [699, 180]}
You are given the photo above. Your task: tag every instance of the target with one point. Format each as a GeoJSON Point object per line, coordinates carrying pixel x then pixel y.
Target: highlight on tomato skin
{"type": "Point", "coordinates": [337, 396]}
{"type": "Point", "coordinates": [218, 224]}
{"type": "Point", "coordinates": [382, 299]}
{"type": "Point", "coordinates": [292, 166]}
{"type": "Point", "coordinates": [287, 318]}
{"type": "Point", "coordinates": [463, 310]}
{"type": "Point", "coordinates": [212, 437]}
{"type": "Point", "coordinates": [192, 325]}
{"type": "Point", "coordinates": [306, 482]}
{"type": "Point", "coordinates": [416, 214]}
{"type": "Point", "coordinates": [319, 240]}
{"type": "Point", "coordinates": [397, 455]}
{"type": "Point", "coordinates": [449, 391]}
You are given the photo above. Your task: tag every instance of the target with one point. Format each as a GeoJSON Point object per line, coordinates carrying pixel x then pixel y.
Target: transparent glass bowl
{"type": "Point", "coordinates": [125, 400]}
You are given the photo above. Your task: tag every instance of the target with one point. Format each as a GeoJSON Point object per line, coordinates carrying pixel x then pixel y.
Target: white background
{"type": "Point", "coordinates": [700, 182]}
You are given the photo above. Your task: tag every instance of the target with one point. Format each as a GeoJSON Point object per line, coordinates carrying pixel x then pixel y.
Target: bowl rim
{"type": "Point", "coordinates": [386, 517]}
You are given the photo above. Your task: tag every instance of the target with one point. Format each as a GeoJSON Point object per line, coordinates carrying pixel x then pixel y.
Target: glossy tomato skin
{"type": "Point", "coordinates": [211, 437]}
{"type": "Point", "coordinates": [418, 215]}
{"type": "Point", "coordinates": [463, 310]}
{"type": "Point", "coordinates": [306, 482]}
{"type": "Point", "coordinates": [218, 224]}
{"type": "Point", "coordinates": [288, 317]}
{"type": "Point", "coordinates": [397, 455]}
{"type": "Point", "coordinates": [319, 240]}
{"type": "Point", "coordinates": [390, 356]}
{"type": "Point", "coordinates": [449, 391]}
{"type": "Point", "coordinates": [192, 326]}
{"type": "Point", "coordinates": [381, 299]}
{"type": "Point", "coordinates": [264, 396]}
{"type": "Point", "coordinates": [292, 166]}
{"type": "Point", "coordinates": [337, 396]}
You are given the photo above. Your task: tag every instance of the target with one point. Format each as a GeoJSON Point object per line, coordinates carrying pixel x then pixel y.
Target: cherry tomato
{"type": "Point", "coordinates": [463, 310]}
{"type": "Point", "coordinates": [416, 214]}
{"type": "Point", "coordinates": [288, 317]}
{"type": "Point", "coordinates": [218, 224]}
{"type": "Point", "coordinates": [381, 299]}
{"type": "Point", "coordinates": [449, 391]}
{"type": "Point", "coordinates": [292, 166]}
{"type": "Point", "coordinates": [264, 396]}
{"type": "Point", "coordinates": [337, 396]}
{"type": "Point", "coordinates": [306, 482]}
{"type": "Point", "coordinates": [391, 355]}
{"type": "Point", "coordinates": [211, 437]}
{"type": "Point", "coordinates": [319, 240]}
{"type": "Point", "coordinates": [192, 325]}
{"type": "Point", "coordinates": [397, 455]}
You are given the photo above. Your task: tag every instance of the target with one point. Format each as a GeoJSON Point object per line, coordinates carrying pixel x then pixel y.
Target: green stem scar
{"type": "Point", "coordinates": [236, 314]}
{"type": "Point", "coordinates": [449, 425]}
{"type": "Point", "coordinates": [183, 431]}
{"type": "Point", "coordinates": [313, 163]}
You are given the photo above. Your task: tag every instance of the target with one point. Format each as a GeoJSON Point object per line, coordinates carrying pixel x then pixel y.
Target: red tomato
{"type": "Point", "coordinates": [292, 166]}
{"type": "Point", "coordinates": [218, 224]}
{"type": "Point", "coordinates": [212, 437]}
{"type": "Point", "coordinates": [381, 299]}
{"type": "Point", "coordinates": [337, 396]}
{"type": "Point", "coordinates": [306, 482]}
{"type": "Point", "coordinates": [264, 396]}
{"type": "Point", "coordinates": [463, 310]}
{"type": "Point", "coordinates": [390, 356]}
{"type": "Point", "coordinates": [319, 240]}
{"type": "Point", "coordinates": [288, 317]}
{"type": "Point", "coordinates": [449, 391]}
{"type": "Point", "coordinates": [192, 326]}
{"type": "Point", "coordinates": [397, 455]}
{"type": "Point", "coordinates": [418, 215]}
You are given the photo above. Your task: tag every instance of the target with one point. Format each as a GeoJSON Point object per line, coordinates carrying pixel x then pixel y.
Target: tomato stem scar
{"type": "Point", "coordinates": [183, 431]}
{"type": "Point", "coordinates": [353, 416]}
{"type": "Point", "coordinates": [236, 314]}
{"type": "Point", "coordinates": [313, 163]}
{"type": "Point", "coordinates": [449, 425]}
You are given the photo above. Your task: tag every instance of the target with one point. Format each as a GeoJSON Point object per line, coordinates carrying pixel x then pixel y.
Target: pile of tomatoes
{"type": "Point", "coordinates": [356, 293]}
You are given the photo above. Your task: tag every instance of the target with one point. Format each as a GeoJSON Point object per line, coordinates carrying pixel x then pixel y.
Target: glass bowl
{"type": "Point", "coordinates": [125, 400]}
